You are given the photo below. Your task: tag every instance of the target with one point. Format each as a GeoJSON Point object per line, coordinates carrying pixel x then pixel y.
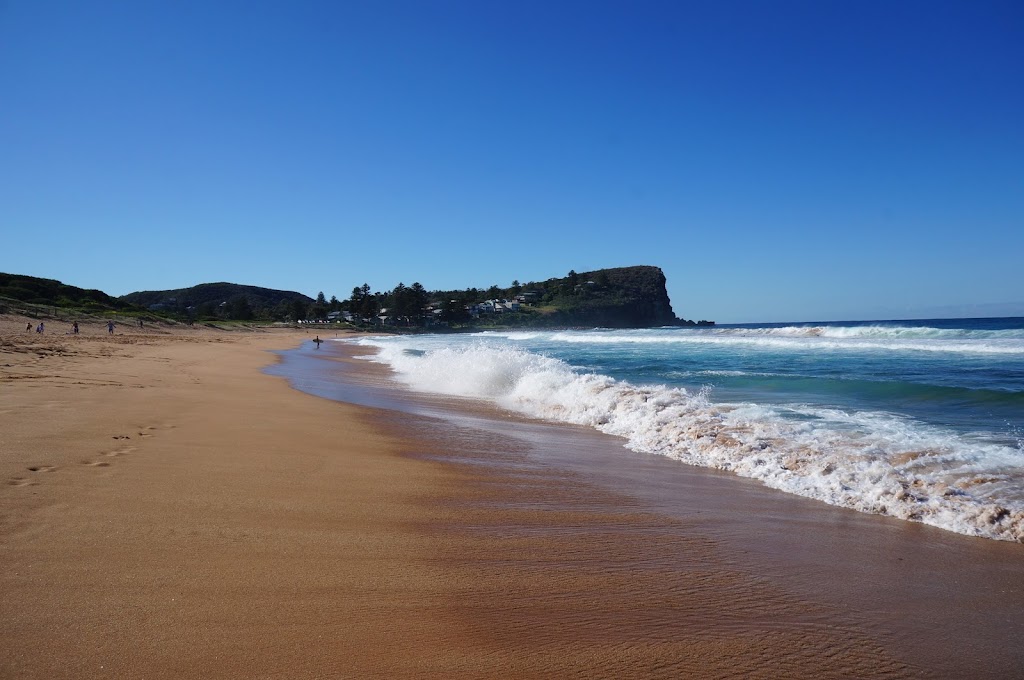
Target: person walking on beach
{"type": "Point", "coordinates": [28, 327]}
{"type": "Point", "coordinates": [41, 328]}
{"type": "Point", "coordinates": [74, 328]}
{"type": "Point", "coordinates": [110, 327]}
{"type": "Point", "coordinates": [317, 340]}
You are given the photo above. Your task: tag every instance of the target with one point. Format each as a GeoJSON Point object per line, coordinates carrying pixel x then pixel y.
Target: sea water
{"type": "Point", "coordinates": [921, 420]}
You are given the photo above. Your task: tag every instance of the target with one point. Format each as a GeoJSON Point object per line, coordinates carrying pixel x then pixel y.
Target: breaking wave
{"type": "Point", "coordinates": [873, 462]}
{"type": "Point", "coordinates": [841, 338]}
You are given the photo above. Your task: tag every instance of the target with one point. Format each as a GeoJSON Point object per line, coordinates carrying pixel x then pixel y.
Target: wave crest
{"type": "Point", "coordinates": [872, 462]}
{"type": "Point", "coordinates": [834, 338]}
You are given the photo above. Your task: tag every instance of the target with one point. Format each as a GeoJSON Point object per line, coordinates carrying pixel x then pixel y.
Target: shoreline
{"type": "Point", "coordinates": [879, 575]}
{"type": "Point", "coordinates": [191, 516]}
{"type": "Point", "coordinates": [923, 432]}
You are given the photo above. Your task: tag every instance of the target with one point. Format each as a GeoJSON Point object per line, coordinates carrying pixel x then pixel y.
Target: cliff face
{"type": "Point", "coordinates": [624, 297]}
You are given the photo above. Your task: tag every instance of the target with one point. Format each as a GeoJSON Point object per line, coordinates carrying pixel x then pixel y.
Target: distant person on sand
{"type": "Point", "coordinates": [74, 328]}
{"type": "Point", "coordinates": [28, 327]}
{"type": "Point", "coordinates": [317, 340]}
{"type": "Point", "coordinates": [110, 327]}
{"type": "Point", "coordinates": [41, 328]}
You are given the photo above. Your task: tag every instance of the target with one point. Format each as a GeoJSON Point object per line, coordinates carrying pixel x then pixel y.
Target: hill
{"type": "Point", "coordinates": [622, 297]}
{"type": "Point", "coordinates": [207, 299]}
{"type": "Point", "coordinates": [22, 292]}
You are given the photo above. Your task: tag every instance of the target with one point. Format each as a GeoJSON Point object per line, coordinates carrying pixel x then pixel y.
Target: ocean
{"type": "Point", "coordinates": [920, 420]}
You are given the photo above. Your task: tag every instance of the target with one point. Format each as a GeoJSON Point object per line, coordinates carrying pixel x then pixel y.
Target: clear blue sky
{"type": "Point", "coordinates": [779, 160]}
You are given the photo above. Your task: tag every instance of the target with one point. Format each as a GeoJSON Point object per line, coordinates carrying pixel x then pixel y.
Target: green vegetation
{"type": "Point", "coordinates": [625, 297]}
{"type": "Point", "coordinates": [29, 294]}
{"type": "Point", "coordinates": [220, 301]}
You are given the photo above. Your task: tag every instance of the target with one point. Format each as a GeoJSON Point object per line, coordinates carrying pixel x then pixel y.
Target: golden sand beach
{"type": "Point", "coordinates": [167, 510]}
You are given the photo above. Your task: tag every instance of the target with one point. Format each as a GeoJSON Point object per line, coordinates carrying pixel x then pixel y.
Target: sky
{"type": "Point", "coordinates": [779, 160]}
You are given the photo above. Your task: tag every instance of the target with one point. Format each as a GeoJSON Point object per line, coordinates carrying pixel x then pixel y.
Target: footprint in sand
{"type": "Point", "coordinates": [120, 436]}
{"type": "Point", "coordinates": [42, 468]}
{"type": "Point", "coordinates": [119, 452]}
{"type": "Point", "coordinates": [96, 463]}
{"type": "Point", "coordinates": [147, 430]}
{"type": "Point", "coordinates": [21, 481]}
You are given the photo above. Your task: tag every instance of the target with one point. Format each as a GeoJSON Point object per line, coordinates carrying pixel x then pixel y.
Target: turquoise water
{"type": "Point", "coordinates": [969, 376]}
{"type": "Point", "coordinates": [921, 419]}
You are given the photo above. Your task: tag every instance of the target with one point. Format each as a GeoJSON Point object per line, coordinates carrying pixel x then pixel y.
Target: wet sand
{"type": "Point", "coordinates": [168, 510]}
{"type": "Point", "coordinates": [853, 592]}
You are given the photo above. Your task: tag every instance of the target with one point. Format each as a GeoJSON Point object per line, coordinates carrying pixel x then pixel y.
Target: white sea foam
{"type": "Point", "coordinates": [722, 374]}
{"type": "Point", "coordinates": [815, 338]}
{"type": "Point", "coordinates": [873, 462]}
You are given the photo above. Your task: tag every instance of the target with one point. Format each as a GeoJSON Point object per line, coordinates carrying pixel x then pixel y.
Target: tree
{"type": "Point", "coordinates": [362, 304]}
{"type": "Point", "coordinates": [283, 311]}
{"type": "Point", "coordinates": [335, 304]}
{"type": "Point", "coordinates": [355, 300]}
{"type": "Point", "coordinates": [399, 305]}
{"type": "Point", "coordinates": [206, 310]}
{"type": "Point", "coordinates": [320, 306]}
{"type": "Point", "coordinates": [368, 304]}
{"type": "Point", "coordinates": [299, 310]}
{"type": "Point", "coordinates": [516, 287]}
{"type": "Point", "coordinates": [420, 298]}
{"type": "Point", "coordinates": [454, 312]}
{"type": "Point", "coordinates": [239, 309]}
{"type": "Point", "coordinates": [406, 303]}
{"type": "Point", "coordinates": [574, 278]}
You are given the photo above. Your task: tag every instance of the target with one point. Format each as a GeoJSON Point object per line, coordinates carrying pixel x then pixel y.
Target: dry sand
{"type": "Point", "coordinates": [169, 511]}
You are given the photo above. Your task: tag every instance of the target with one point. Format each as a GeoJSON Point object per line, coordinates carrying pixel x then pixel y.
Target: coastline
{"type": "Point", "coordinates": [191, 516]}
{"type": "Point", "coordinates": [944, 604]}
